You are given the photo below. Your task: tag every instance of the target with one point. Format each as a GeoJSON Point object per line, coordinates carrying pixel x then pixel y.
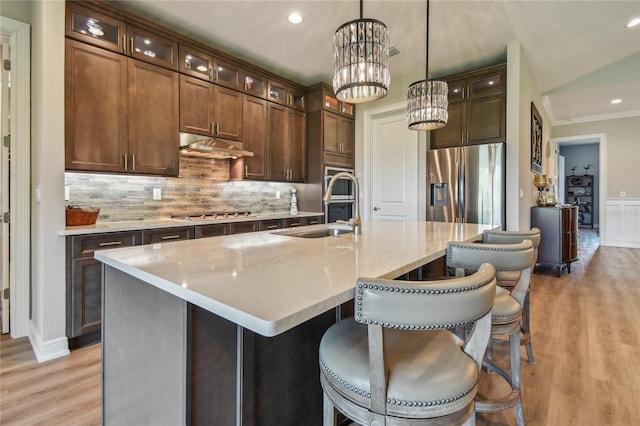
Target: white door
{"type": "Point", "coordinates": [4, 186]}
{"type": "Point", "coordinates": [394, 167]}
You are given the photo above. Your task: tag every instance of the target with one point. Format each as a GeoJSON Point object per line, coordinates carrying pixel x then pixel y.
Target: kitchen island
{"type": "Point", "coordinates": [225, 330]}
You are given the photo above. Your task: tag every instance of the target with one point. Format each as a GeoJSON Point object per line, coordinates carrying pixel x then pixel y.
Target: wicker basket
{"type": "Point", "coordinates": [82, 215]}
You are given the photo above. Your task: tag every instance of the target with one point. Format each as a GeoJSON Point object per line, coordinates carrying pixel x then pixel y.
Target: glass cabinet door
{"type": "Point", "coordinates": [226, 74]}
{"type": "Point", "coordinates": [297, 99]}
{"type": "Point", "coordinates": [277, 93]}
{"type": "Point", "coordinates": [489, 84]}
{"type": "Point", "coordinates": [330, 103]}
{"type": "Point", "coordinates": [457, 90]}
{"type": "Point", "coordinates": [255, 84]}
{"type": "Point", "coordinates": [347, 109]}
{"type": "Point", "coordinates": [95, 28]}
{"type": "Point", "coordinates": [152, 48]}
{"type": "Point", "coordinates": [196, 63]}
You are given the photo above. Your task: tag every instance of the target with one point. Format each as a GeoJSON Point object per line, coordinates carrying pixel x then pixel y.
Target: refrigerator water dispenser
{"type": "Point", "coordinates": [439, 194]}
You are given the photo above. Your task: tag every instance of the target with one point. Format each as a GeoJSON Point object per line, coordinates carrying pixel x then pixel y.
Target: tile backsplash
{"type": "Point", "coordinates": [201, 186]}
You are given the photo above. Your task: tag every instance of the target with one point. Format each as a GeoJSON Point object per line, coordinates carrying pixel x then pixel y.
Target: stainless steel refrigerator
{"type": "Point", "coordinates": [467, 184]}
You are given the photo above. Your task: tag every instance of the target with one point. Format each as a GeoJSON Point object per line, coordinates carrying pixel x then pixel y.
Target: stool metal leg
{"type": "Point", "coordinates": [526, 330]}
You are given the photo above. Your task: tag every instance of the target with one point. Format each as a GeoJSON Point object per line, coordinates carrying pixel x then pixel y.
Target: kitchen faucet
{"type": "Point", "coordinates": [355, 221]}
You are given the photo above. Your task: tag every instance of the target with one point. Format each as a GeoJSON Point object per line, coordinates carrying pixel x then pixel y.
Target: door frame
{"type": "Point", "coordinates": [367, 186]}
{"type": "Point", "coordinates": [602, 187]}
{"type": "Point", "coordinates": [20, 192]}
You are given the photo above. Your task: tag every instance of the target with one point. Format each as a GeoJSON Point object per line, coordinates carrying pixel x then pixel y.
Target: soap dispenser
{"type": "Point", "coordinates": [293, 210]}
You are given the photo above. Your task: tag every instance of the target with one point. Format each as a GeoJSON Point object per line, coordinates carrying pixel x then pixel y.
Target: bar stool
{"type": "Point", "coordinates": [509, 279]}
{"type": "Point", "coordinates": [465, 258]}
{"type": "Point", "coordinates": [397, 362]}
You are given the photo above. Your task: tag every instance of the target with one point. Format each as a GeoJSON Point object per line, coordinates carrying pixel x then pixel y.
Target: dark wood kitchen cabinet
{"type": "Point", "coordinates": [84, 282]}
{"type": "Point", "coordinates": [286, 144]}
{"type": "Point", "coordinates": [152, 47]}
{"type": "Point", "coordinates": [166, 235]}
{"type": "Point", "coordinates": [331, 132]}
{"type": "Point", "coordinates": [153, 120]}
{"type": "Point", "coordinates": [96, 122]}
{"type": "Point", "coordinates": [255, 140]}
{"type": "Point", "coordinates": [95, 28]}
{"type": "Point", "coordinates": [558, 235]}
{"type": "Point", "coordinates": [210, 110]}
{"type": "Point", "coordinates": [283, 94]}
{"type": "Point", "coordinates": [477, 109]}
{"type": "Point", "coordinates": [121, 115]}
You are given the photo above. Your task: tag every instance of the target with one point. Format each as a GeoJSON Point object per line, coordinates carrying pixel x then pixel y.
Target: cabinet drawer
{"type": "Point", "coordinates": [244, 227]}
{"type": "Point", "coordinates": [213, 230]}
{"type": "Point", "coordinates": [166, 235]}
{"type": "Point", "coordinates": [266, 225]}
{"type": "Point", "coordinates": [292, 223]}
{"type": "Point", "coordinates": [85, 245]}
{"type": "Point", "coordinates": [338, 160]}
{"type": "Point", "coordinates": [315, 220]}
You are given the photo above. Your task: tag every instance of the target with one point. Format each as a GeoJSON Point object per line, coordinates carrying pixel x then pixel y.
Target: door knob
{"type": "Point", "coordinates": [375, 209]}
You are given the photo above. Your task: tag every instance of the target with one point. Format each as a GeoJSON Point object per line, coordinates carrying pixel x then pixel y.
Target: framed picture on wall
{"type": "Point", "coordinates": [536, 140]}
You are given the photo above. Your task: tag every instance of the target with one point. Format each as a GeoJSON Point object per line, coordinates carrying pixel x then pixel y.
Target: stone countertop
{"type": "Point", "coordinates": [269, 282]}
{"type": "Point", "coordinates": [136, 225]}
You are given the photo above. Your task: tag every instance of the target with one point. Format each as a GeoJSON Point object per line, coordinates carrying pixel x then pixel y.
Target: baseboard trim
{"type": "Point", "coordinates": [47, 350]}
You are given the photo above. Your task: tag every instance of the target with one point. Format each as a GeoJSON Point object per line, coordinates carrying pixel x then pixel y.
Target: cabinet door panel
{"type": "Point", "coordinates": [451, 134]}
{"type": "Point", "coordinates": [95, 28]}
{"type": "Point", "coordinates": [296, 145]}
{"type": "Point", "coordinates": [196, 106]}
{"type": "Point", "coordinates": [164, 235]}
{"type": "Point", "coordinates": [86, 245]}
{"type": "Point", "coordinates": [255, 137]}
{"type": "Point", "coordinates": [347, 136]}
{"type": "Point", "coordinates": [153, 119]}
{"type": "Point", "coordinates": [86, 297]}
{"type": "Point", "coordinates": [213, 230]}
{"type": "Point", "coordinates": [331, 125]}
{"type": "Point", "coordinates": [276, 133]}
{"type": "Point", "coordinates": [195, 63]}
{"type": "Point", "coordinates": [227, 113]}
{"type": "Point", "coordinates": [244, 227]}
{"type": "Point", "coordinates": [95, 109]}
{"type": "Point", "coordinates": [488, 84]}
{"type": "Point", "coordinates": [152, 48]}
{"type": "Point", "coordinates": [486, 122]}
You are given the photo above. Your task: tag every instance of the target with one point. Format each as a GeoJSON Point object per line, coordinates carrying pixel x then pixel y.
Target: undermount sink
{"type": "Point", "coordinates": [331, 231]}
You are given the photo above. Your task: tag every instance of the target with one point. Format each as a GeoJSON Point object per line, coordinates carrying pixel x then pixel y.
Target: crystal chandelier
{"type": "Point", "coordinates": [427, 99]}
{"type": "Point", "coordinates": [361, 60]}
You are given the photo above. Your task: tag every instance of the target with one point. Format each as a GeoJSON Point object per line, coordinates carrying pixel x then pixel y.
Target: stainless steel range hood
{"type": "Point", "coordinates": [211, 147]}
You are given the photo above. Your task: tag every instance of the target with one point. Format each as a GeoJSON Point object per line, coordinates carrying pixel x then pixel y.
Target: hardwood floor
{"type": "Point", "coordinates": [586, 343]}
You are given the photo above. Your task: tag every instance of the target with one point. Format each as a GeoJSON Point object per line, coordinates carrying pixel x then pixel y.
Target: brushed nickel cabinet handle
{"type": "Point", "coordinates": [246, 171]}
{"type": "Point", "coordinates": [272, 226]}
{"type": "Point", "coordinates": [111, 243]}
{"type": "Point", "coordinates": [124, 44]}
{"type": "Point", "coordinates": [131, 46]}
{"type": "Point", "coordinates": [170, 237]}
{"type": "Point", "coordinates": [133, 162]}
{"type": "Point", "coordinates": [126, 162]}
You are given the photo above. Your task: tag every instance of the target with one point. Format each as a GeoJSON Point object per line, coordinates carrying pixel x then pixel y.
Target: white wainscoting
{"type": "Point", "coordinates": [622, 223]}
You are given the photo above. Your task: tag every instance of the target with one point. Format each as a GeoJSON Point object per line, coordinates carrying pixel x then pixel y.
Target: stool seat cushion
{"type": "Point", "coordinates": [426, 368]}
{"type": "Point", "coordinates": [506, 309]}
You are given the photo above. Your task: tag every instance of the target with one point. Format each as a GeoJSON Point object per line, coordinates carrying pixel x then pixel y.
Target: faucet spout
{"type": "Point", "coordinates": [355, 221]}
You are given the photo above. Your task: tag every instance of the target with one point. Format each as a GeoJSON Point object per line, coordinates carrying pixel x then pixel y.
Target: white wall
{"type": "Point", "coordinates": [521, 91]}
{"type": "Point", "coordinates": [47, 336]}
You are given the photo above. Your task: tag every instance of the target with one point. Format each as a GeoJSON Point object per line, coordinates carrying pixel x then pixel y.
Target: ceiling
{"type": "Point", "coordinates": [579, 52]}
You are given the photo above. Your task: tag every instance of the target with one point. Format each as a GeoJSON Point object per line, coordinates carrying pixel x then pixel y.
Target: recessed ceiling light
{"type": "Point", "coordinates": [632, 23]}
{"type": "Point", "coordinates": [616, 101]}
{"type": "Point", "coordinates": [294, 18]}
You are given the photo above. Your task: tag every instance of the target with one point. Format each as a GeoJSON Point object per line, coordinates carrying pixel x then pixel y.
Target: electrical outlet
{"type": "Point", "coordinates": [277, 195]}
{"type": "Point", "coordinates": [67, 191]}
{"type": "Point", "coordinates": [157, 194]}
{"type": "Point", "coordinates": [623, 194]}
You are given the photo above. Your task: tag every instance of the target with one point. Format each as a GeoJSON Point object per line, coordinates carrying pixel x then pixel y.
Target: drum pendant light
{"type": "Point", "coordinates": [361, 60]}
{"type": "Point", "coordinates": [427, 99]}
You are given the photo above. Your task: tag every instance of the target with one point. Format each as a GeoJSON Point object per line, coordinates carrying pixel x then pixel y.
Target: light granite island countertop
{"type": "Point", "coordinates": [226, 329]}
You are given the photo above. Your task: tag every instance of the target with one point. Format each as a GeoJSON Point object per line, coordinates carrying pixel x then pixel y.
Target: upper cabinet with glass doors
{"type": "Point", "coordinates": [100, 30]}
{"type": "Point", "coordinates": [95, 28]}
{"type": "Point", "coordinates": [195, 63]}
{"type": "Point", "coordinates": [282, 94]}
